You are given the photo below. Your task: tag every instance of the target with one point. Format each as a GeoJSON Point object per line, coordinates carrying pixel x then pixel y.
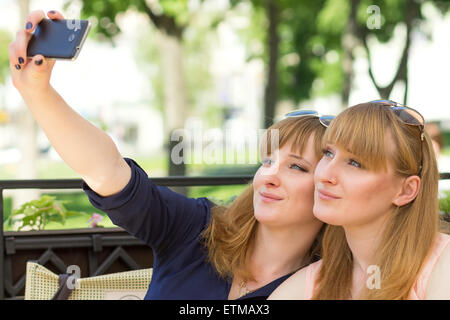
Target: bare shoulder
{"type": "Point", "coordinates": [439, 283]}
{"type": "Point", "coordinates": [293, 288]}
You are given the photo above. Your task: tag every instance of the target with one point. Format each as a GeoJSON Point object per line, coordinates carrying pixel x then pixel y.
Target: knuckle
{"type": "Point", "coordinates": [36, 15]}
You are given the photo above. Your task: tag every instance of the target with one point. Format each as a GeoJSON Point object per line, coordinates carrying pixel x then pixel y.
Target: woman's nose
{"type": "Point", "coordinates": [326, 172]}
{"type": "Point", "coordinates": [271, 176]}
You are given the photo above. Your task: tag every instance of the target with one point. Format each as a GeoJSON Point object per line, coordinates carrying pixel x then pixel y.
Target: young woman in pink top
{"type": "Point", "coordinates": [376, 186]}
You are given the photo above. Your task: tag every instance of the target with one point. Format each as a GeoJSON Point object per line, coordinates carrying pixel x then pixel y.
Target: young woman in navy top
{"type": "Point", "coordinates": [201, 251]}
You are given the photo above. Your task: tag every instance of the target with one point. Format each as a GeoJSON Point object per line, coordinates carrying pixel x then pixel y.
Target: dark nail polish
{"type": "Point", "coordinates": [38, 62]}
{"type": "Point", "coordinates": [52, 12]}
{"type": "Point", "coordinates": [29, 25]}
{"type": "Point", "coordinates": [21, 60]}
{"type": "Point", "coordinates": [17, 67]}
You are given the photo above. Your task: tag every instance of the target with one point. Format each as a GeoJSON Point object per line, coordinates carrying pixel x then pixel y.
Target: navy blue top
{"type": "Point", "coordinates": [171, 224]}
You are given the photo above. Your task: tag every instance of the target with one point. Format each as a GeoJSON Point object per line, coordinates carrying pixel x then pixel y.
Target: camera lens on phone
{"type": "Point", "coordinates": [71, 37]}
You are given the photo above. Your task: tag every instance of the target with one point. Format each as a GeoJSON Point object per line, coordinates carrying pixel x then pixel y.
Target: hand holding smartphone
{"type": "Point", "coordinates": [58, 39]}
{"type": "Point", "coordinates": [37, 46]}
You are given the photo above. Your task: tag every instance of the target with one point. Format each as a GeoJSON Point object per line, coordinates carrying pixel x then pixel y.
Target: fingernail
{"type": "Point", "coordinates": [17, 67]}
{"type": "Point", "coordinates": [29, 25]}
{"type": "Point", "coordinates": [52, 12]}
{"type": "Point", "coordinates": [21, 60]}
{"type": "Point", "coordinates": [38, 62]}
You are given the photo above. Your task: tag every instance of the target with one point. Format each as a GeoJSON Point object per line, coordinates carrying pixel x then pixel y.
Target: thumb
{"type": "Point", "coordinates": [39, 64]}
{"type": "Point", "coordinates": [41, 68]}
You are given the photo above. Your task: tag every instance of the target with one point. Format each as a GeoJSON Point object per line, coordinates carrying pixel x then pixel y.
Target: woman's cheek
{"type": "Point", "coordinates": [257, 179]}
{"type": "Point", "coordinates": [305, 189]}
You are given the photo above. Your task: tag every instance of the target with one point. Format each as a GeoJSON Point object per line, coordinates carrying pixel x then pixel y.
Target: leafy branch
{"type": "Point", "coordinates": [36, 214]}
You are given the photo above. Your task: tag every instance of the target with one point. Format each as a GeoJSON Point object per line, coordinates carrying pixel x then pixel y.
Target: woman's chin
{"type": "Point", "coordinates": [326, 215]}
{"type": "Point", "coordinates": [265, 216]}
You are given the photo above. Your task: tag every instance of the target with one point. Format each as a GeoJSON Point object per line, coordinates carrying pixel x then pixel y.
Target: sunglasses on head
{"type": "Point", "coordinates": [408, 116]}
{"type": "Point", "coordinates": [325, 120]}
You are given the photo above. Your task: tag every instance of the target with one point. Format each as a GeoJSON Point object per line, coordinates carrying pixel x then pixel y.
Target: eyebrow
{"type": "Point", "coordinates": [298, 157]}
{"type": "Point", "coordinates": [346, 149]}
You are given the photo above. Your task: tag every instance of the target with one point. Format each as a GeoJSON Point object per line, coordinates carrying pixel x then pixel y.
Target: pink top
{"type": "Point", "coordinates": [419, 289]}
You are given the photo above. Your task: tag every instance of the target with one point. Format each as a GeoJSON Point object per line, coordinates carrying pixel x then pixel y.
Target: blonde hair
{"type": "Point", "coordinates": [410, 230]}
{"type": "Point", "coordinates": [229, 237]}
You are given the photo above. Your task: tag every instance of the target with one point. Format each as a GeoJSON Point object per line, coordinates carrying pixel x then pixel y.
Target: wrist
{"type": "Point", "coordinates": [40, 94]}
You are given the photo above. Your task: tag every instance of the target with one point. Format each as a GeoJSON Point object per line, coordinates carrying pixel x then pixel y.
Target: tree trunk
{"type": "Point", "coordinates": [175, 97]}
{"type": "Point", "coordinates": [170, 44]}
{"type": "Point", "coordinates": [27, 139]}
{"type": "Point", "coordinates": [271, 90]}
{"type": "Point", "coordinates": [349, 42]}
{"type": "Point", "coordinates": [413, 11]}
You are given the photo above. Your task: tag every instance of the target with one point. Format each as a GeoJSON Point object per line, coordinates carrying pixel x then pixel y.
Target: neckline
{"type": "Point", "coordinates": [263, 291]}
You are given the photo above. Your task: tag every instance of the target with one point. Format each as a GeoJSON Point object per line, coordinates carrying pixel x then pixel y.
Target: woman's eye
{"type": "Point", "coordinates": [355, 163]}
{"type": "Point", "coordinates": [297, 167]}
{"type": "Point", "coordinates": [327, 153]}
{"type": "Point", "coordinates": [266, 162]}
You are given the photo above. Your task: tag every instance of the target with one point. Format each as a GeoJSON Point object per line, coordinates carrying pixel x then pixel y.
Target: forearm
{"type": "Point", "coordinates": [84, 147]}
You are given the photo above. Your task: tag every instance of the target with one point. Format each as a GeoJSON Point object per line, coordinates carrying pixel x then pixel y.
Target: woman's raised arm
{"type": "Point", "coordinates": [84, 147]}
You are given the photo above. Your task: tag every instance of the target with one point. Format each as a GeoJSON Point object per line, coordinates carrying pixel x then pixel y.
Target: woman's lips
{"type": "Point", "coordinates": [269, 197]}
{"type": "Point", "coordinates": [325, 195]}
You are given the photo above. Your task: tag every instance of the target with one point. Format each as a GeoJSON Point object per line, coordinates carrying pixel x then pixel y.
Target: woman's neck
{"type": "Point", "coordinates": [363, 241]}
{"type": "Point", "coordinates": [280, 251]}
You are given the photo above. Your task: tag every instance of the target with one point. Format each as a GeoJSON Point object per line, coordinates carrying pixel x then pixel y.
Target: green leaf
{"type": "Point", "coordinates": [77, 213]}
{"type": "Point", "coordinates": [30, 210]}
{"type": "Point", "coordinates": [39, 212]}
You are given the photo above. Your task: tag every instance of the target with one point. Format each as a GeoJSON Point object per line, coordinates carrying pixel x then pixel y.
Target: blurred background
{"type": "Point", "coordinates": [222, 69]}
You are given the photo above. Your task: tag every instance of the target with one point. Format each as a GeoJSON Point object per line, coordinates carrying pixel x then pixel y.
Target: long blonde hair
{"type": "Point", "coordinates": [229, 238]}
{"type": "Point", "coordinates": [410, 230]}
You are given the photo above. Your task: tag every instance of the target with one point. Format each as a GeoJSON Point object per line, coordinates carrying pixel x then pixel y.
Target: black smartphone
{"type": "Point", "coordinates": [58, 39]}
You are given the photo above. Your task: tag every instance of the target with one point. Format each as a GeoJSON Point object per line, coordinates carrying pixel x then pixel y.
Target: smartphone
{"type": "Point", "coordinates": [58, 39]}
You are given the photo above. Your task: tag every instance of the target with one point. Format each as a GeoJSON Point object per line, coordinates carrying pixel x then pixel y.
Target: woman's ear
{"type": "Point", "coordinates": [408, 192]}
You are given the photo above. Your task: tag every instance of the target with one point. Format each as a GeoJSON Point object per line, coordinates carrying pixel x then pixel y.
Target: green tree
{"type": "Point", "coordinates": [289, 34]}
{"type": "Point", "coordinates": [171, 18]}
{"type": "Point", "coordinates": [310, 45]}
{"type": "Point", "coordinates": [359, 22]}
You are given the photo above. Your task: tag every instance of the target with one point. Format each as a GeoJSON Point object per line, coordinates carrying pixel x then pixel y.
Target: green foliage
{"type": "Point", "coordinates": [444, 205]}
{"type": "Point", "coordinates": [5, 40]}
{"type": "Point", "coordinates": [302, 45]}
{"type": "Point", "coordinates": [311, 34]}
{"type": "Point", "coordinates": [311, 45]}
{"type": "Point", "coordinates": [333, 17]}
{"type": "Point", "coordinates": [36, 214]}
{"type": "Point", "coordinates": [177, 9]}
{"type": "Point", "coordinates": [196, 42]}
{"type": "Point", "coordinates": [7, 205]}
{"type": "Point", "coordinates": [310, 37]}
{"type": "Point", "coordinates": [171, 13]}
